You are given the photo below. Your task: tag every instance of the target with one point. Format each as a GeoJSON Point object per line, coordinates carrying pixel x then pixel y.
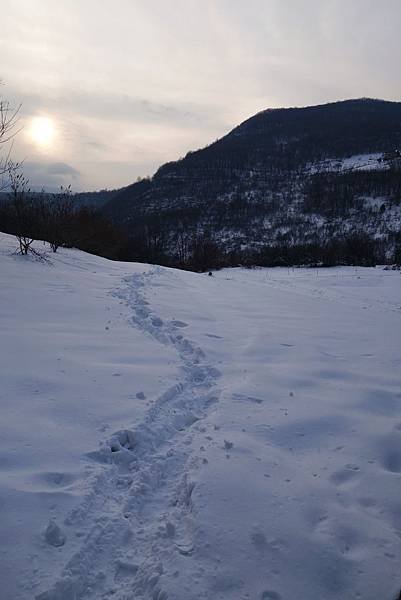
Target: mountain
{"type": "Point", "coordinates": [296, 176]}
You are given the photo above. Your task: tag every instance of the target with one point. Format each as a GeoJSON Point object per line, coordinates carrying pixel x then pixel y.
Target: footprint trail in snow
{"type": "Point", "coordinates": [139, 510]}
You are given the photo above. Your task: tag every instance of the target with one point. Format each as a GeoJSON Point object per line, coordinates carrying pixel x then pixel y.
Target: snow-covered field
{"type": "Point", "coordinates": [169, 435]}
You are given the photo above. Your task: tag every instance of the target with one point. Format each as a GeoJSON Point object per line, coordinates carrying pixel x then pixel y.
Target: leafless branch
{"type": "Point", "coordinates": [9, 118]}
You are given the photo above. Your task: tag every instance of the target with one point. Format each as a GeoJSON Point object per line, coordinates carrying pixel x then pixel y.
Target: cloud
{"type": "Point", "coordinates": [112, 106]}
{"type": "Point", "coordinates": [60, 168]}
{"type": "Point", "coordinates": [145, 81]}
{"type": "Point", "coordinates": [51, 176]}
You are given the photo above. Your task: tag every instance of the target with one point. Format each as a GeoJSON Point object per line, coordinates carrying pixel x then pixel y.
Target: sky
{"type": "Point", "coordinates": [111, 89]}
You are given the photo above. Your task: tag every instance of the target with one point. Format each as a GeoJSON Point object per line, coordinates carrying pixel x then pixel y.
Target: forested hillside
{"type": "Point", "coordinates": [286, 181]}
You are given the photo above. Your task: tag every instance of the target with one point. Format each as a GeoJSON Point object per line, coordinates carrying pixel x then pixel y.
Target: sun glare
{"type": "Point", "coordinates": [42, 131]}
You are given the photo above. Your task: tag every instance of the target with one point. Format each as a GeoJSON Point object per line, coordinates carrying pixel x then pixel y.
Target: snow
{"type": "Point", "coordinates": [358, 162]}
{"type": "Point", "coordinates": [169, 435]}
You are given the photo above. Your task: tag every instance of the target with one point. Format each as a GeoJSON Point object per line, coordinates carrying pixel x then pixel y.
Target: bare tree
{"type": "Point", "coordinates": [58, 213]}
{"type": "Point", "coordinates": [23, 213]}
{"type": "Point", "coordinates": [12, 178]}
{"type": "Point", "coordinates": [8, 129]}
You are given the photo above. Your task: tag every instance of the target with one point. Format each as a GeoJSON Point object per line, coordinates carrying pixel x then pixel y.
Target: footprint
{"type": "Point", "coordinates": [54, 536]}
{"type": "Point", "coordinates": [390, 450]}
{"type": "Point", "coordinates": [125, 570]}
{"type": "Point", "coordinates": [183, 421]}
{"type": "Point", "coordinates": [177, 323]}
{"type": "Point", "coordinates": [123, 439]}
{"type": "Point", "coordinates": [53, 480]}
{"type": "Point", "coordinates": [252, 399]}
{"type": "Point", "coordinates": [345, 475]}
{"type": "Point", "coordinates": [170, 529]}
{"type": "Point", "coordinates": [142, 313]}
{"type": "Point", "coordinates": [259, 541]}
{"type": "Point", "coordinates": [391, 460]}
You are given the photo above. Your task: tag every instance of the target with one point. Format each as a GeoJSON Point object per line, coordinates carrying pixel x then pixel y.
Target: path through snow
{"type": "Point", "coordinates": [139, 510]}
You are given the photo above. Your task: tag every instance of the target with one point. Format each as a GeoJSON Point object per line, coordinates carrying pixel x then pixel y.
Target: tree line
{"type": "Point", "coordinates": [56, 219]}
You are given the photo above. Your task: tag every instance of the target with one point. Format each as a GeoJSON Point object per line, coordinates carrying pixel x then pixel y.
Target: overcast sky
{"type": "Point", "coordinates": [125, 85]}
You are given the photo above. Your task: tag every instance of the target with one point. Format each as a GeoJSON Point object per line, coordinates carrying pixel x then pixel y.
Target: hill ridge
{"type": "Point", "coordinates": [277, 177]}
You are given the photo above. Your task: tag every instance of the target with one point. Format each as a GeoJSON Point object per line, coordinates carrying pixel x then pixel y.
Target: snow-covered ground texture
{"type": "Point", "coordinates": [357, 162]}
{"type": "Point", "coordinates": [172, 436]}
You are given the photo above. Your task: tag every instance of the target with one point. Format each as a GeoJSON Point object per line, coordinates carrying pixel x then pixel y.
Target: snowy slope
{"type": "Point", "coordinates": [227, 437]}
{"type": "Point", "coordinates": [358, 162]}
{"type": "Point", "coordinates": [71, 366]}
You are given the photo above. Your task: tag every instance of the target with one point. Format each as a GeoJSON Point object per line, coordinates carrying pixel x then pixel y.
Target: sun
{"type": "Point", "coordinates": [42, 131]}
